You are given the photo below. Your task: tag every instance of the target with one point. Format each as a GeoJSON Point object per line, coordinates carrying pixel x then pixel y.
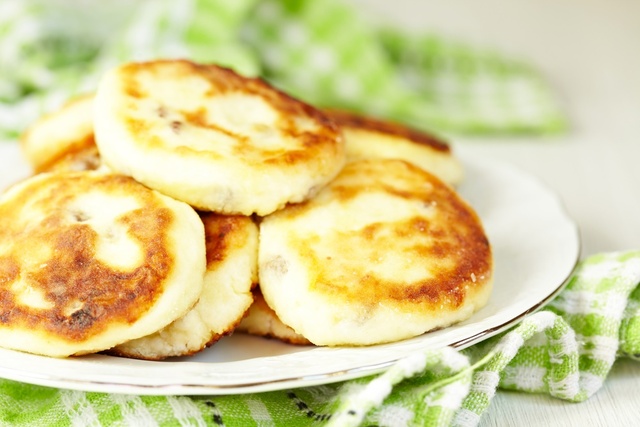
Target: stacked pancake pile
{"type": "Point", "coordinates": [182, 202]}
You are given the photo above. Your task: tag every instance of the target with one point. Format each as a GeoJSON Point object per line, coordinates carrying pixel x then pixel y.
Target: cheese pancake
{"type": "Point", "coordinates": [262, 321]}
{"type": "Point", "coordinates": [213, 138]}
{"type": "Point", "coordinates": [232, 271]}
{"type": "Point", "coordinates": [367, 137]}
{"type": "Point", "coordinates": [83, 159]}
{"type": "Point", "coordinates": [89, 260]}
{"type": "Point", "coordinates": [63, 139]}
{"type": "Point", "coordinates": [385, 252]}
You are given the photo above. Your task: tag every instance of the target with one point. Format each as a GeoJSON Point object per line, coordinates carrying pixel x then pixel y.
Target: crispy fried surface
{"type": "Point", "coordinates": [232, 263]}
{"type": "Point", "coordinates": [84, 158]}
{"type": "Point", "coordinates": [368, 137]}
{"type": "Point", "coordinates": [212, 138]}
{"type": "Point", "coordinates": [60, 135]}
{"type": "Point", "coordinates": [262, 321]}
{"type": "Point", "coordinates": [385, 252]}
{"type": "Point", "coordinates": [87, 258]}
{"type": "Point", "coordinates": [350, 120]}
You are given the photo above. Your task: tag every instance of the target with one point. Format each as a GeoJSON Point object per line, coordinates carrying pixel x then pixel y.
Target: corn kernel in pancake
{"type": "Point", "coordinates": [232, 264]}
{"type": "Point", "coordinates": [368, 137]}
{"type": "Point", "coordinates": [89, 260]}
{"type": "Point", "coordinates": [63, 139]}
{"type": "Point", "coordinates": [385, 252]}
{"type": "Point", "coordinates": [212, 138]}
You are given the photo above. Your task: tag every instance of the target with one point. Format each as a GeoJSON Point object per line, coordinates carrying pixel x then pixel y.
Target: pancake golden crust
{"type": "Point", "coordinates": [352, 120]}
{"type": "Point", "coordinates": [262, 321]}
{"type": "Point", "coordinates": [83, 159]}
{"type": "Point", "coordinates": [368, 137]}
{"type": "Point", "coordinates": [385, 252]}
{"type": "Point", "coordinates": [62, 136]}
{"type": "Point", "coordinates": [88, 260]}
{"type": "Point", "coordinates": [232, 262]}
{"type": "Point", "coordinates": [212, 138]}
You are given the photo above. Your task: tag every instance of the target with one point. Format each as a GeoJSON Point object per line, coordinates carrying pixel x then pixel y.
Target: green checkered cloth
{"type": "Point", "coordinates": [565, 351]}
{"type": "Point", "coordinates": [321, 51]}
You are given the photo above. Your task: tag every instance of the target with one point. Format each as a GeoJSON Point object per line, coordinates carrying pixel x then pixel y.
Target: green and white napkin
{"type": "Point", "coordinates": [565, 351]}
{"type": "Point", "coordinates": [321, 51]}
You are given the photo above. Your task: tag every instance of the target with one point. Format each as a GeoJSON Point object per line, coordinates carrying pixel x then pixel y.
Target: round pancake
{"type": "Point", "coordinates": [367, 137]}
{"type": "Point", "coordinates": [385, 252]}
{"type": "Point", "coordinates": [232, 271]}
{"type": "Point", "coordinates": [262, 321]}
{"type": "Point", "coordinates": [212, 138]}
{"type": "Point", "coordinates": [89, 260]}
{"type": "Point", "coordinates": [63, 139]}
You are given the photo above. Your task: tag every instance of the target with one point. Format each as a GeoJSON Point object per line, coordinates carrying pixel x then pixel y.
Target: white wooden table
{"type": "Point", "coordinates": [590, 52]}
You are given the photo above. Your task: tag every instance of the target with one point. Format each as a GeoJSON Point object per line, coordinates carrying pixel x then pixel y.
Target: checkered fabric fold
{"type": "Point", "coordinates": [326, 54]}
{"type": "Point", "coordinates": [323, 52]}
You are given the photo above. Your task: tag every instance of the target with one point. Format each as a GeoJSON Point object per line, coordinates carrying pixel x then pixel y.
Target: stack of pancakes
{"type": "Point", "coordinates": [182, 202]}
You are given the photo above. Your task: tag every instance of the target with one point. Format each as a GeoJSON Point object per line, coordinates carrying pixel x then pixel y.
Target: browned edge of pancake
{"type": "Point", "coordinates": [348, 119]}
{"type": "Point", "coordinates": [104, 295]}
{"type": "Point", "coordinates": [260, 305]}
{"type": "Point", "coordinates": [220, 236]}
{"type": "Point", "coordinates": [78, 157]}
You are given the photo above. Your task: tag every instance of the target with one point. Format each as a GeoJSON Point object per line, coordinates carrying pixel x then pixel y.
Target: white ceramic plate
{"type": "Point", "coordinates": [535, 244]}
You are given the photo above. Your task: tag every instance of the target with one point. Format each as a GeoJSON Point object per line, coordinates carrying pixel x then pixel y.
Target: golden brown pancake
{"type": "Point", "coordinates": [385, 252]}
{"type": "Point", "coordinates": [262, 321]}
{"type": "Point", "coordinates": [83, 159]}
{"type": "Point", "coordinates": [213, 138]}
{"type": "Point", "coordinates": [89, 260]}
{"type": "Point", "coordinates": [232, 270]}
{"type": "Point", "coordinates": [368, 137]}
{"type": "Point", "coordinates": [63, 139]}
